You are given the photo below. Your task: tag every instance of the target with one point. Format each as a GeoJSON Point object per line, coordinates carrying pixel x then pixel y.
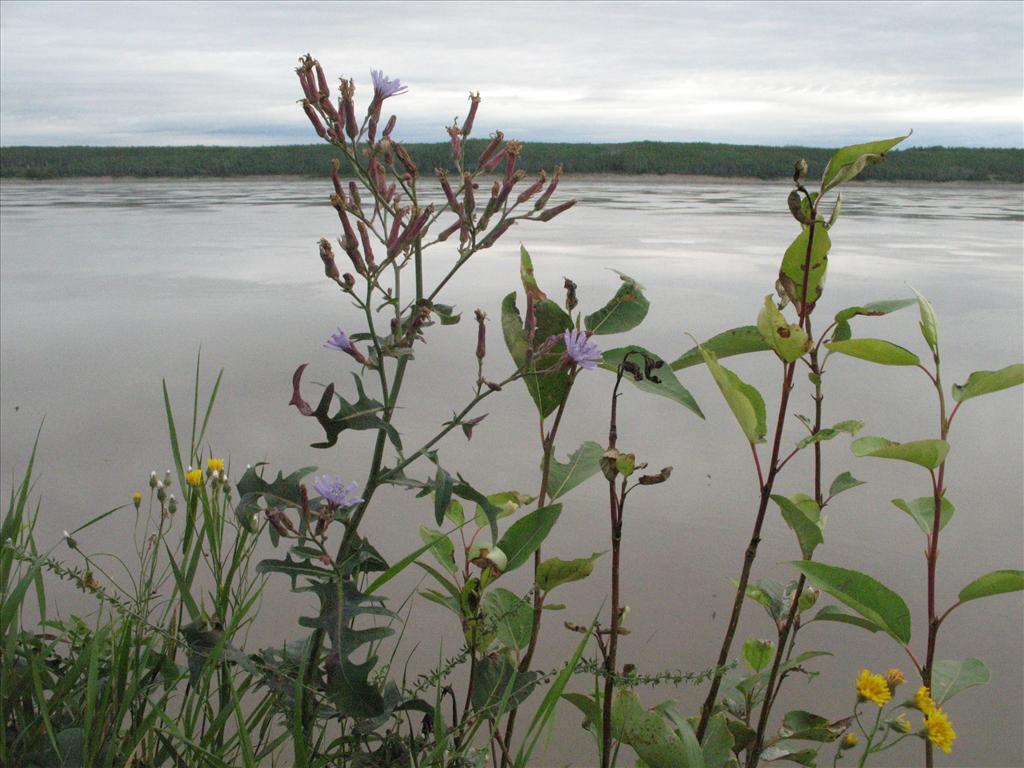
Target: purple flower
{"type": "Point", "coordinates": [340, 342]}
{"type": "Point", "coordinates": [581, 350]}
{"type": "Point", "coordinates": [337, 493]}
{"type": "Point", "coordinates": [384, 87]}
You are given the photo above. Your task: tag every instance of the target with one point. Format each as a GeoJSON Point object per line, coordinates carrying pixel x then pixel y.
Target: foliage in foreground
{"type": "Point", "coordinates": [159, 673]}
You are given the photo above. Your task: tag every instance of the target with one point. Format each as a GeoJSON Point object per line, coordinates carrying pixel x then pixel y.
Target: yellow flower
{"type": "Point", "coordinates": [893, 678]}
{"type": "Point", "coordinates": [939, 730]}
{"type": "Point", "coordinates": [215, 465]}
{"type": "Point", "coordinates": [900, 724]}
{"type": "Point", "coordinates": [136, 499]}
{"type": "Point", "coordinates": [194, 477]}
{"type": "Point", "coordinates": [923, 701]}
{"type": "Point", "coordinates": [873, 688]}
{"type": "Point", "coordinates": [850, 740]}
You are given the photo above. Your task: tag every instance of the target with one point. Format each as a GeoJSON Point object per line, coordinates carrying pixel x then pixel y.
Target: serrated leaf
{"type": "Point", "coordinates": [925, 453]}
{"type": "Point", "coordinates": [985, 382]}
{"type": "Point", "coordinates": [668, 386]}
{"type": "Point", "coordinates": [875, 351]}
{"type": "Point", "coordinates": [923, 512]}
{"type": "Point", "coordinates": [993, 583]}
{"type": "Point", "coordinates": [626, 310]}
{"type": "Point", "coordinates": [868, 597]}
{"type": "Point", "coordinates": [527, 533]}
{"type": "Point", "coordinates": [554, 571]}
{"type": "Point", "coordinates": [744, 401]}
{"type": "Point", "coordinates": [849, 161]}
{"type": "Point", "coordinates": [951, 677]}
{"type": "Point", "coordinates": [583, 463]}
{"type": "Point", "coordinates": [737, 341]}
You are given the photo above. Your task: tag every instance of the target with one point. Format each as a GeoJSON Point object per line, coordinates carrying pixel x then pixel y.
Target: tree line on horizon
{"type": "Point", "coordinates": [639, 158]}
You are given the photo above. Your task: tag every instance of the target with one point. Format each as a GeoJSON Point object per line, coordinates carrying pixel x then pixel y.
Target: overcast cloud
{"type": "Point", "coordinates": [774, 73]}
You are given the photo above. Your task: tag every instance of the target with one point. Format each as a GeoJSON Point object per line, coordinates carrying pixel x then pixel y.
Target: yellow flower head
{"type": "Point", "coordinates": [872, 688]}
{"type": "Point", "coordinates": [136, 499]}
{"type": "Point", "coordinates": [194, 477]}
{"type": "Point", "coordinates": [850, 740]}
{"type": "Point", "coordinates": [893, 678]}
{"type": "Point", "coordinates": [215, 465]}
{"type": "Point", "coordinates": [939, 730]}
{"type": "Point", "coordinates": [923, 701]}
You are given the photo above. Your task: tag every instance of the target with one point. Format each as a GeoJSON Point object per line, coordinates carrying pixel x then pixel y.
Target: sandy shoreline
{"type": "Point", "coordinates": [666, 178]}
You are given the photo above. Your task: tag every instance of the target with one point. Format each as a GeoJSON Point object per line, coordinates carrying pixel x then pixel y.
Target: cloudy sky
{"type": "Point", "coordinates": [818, 73]}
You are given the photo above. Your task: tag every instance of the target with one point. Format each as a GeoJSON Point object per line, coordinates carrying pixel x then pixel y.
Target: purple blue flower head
{"type": "Point", "coordinates": [385, 87]}
{"type": "Point", "coordinates": [339, 341]}
{"type": "Point", "coordinates": [581, 349]}
{"type": "Point", "coordinates": [336, 492]}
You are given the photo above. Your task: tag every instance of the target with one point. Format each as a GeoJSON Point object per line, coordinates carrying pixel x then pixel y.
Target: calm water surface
{"type": "Point", "coordinates": [107, 287]}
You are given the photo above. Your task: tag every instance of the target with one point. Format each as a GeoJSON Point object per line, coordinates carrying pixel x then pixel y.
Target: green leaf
{"type": "Point", "coordinates": [359, 415]}
{"type": "Point", "coordinates": [804, 518]}
{"type": "Point", "coordinates": [744, 401]}
{"type": "Point", "coordinates": [985, 382]}
{"type": "Point", "coordinates": [843, 482]}
{"type": "Point", "coordinates": [875, 351]}
{"type": "Point", "coordinates": [828, 433]}
{"type": "Point", "coordinates": [737, 341]}
{"type": "Point", "coordinates": [718, 743]}
{"type": "Point", "coordinates": [791, 751]}
{"type": "Point", "coordinates": [923, 512]}
{"type": "Point", "coordinates": [789, 340]}
{"type": "Point", "coordinates": [834, 613]}
{"type": "Point", "coordinates": [849, 161]}
{"type": "Point", "coordinates": [994, 583]}
{"type": "Point", "coordinates": [441, 548]}
{"type": "Point", "coordinates": [527, 276]}
{"type": "Point", "coordinates": [794, 262]}
{"type": "Point", "coordinates": [868, 597]}
{"type": "Point", "coordinates": [582, 464]}
{"type": "Point", "coordinates": [926, 453]}
{"type": "Point", "coordinates": [929, 322]}
{"type": "Point", "coordinates": [648, 734]}
{"type": "Point", "coordinates": [499, 686]}
{"type": "Point", "coordinates": [873, 309]}
{"type": "Point", "coordinates": [512, 617]}
{"type": "Point", "coordinates": [282, 493]}
{"type": "Point", "coordinates": [555, 571]}
{"type": "Point", "coordinates": [464, 490]}
{"type": "Point", "coordinates": [668, 386]}
{"type": "Point", "coordinates": [442, 494]}
{"type": "Point", "coordinates": [625, 311]}
{"type": "Point", "coordinates": [525, 535]}
{"type": "Point", "coordinates": [798, 724]}
{"type": "Point", "coordinates": [546, 382]}
{"type": "Point", "coordinates": [757, 653]}
{"type": "Point", "coordinates": [951, 677]}
{"type": "Point", "coordinates": [505, 504]}
{"type": "Point", "coordinates": [768, 593]}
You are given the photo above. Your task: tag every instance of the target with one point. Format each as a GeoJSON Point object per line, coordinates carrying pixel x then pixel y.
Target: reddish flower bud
{"type": "Point", "coordinates": [474, 102]}
{"type": "Point", "coordinates": [533, 189]}
{"type": "Point", "coordinates": [327, 256]}
{"type": "Point", "coordinates": [494, 161]}
{"type": "Point", "coordinates": [335, 179]}
{"type": "Point", "coordinates": [349, 280]}
{"type": "Point", "coordinates": [497, 232]}
{"type": "Point", "coordinates": [405, 159]}
{"type": "Point", "coordinates": [390, 125]}
{"type": "Point", "coordinates": [364, 237]}
{"type": "Point", "coordinates": [307, 84]}
{"type": "Point", "coordinates": [325, 91]}
{"type": "Point", "coordinates": [469, 201]}
{"type": "Point", "coordinates": [491, 148]}
{"type": "Point", "coordinates": [481, 334]}
{"type": "Point", "coordinates": [396, 224]}
{"type": "Point", "coordinates": [355, 203]}
{"type": "Point", "coordinates": [449, 231]}
{"type": "Point", "coordinates": [328, 109]}
{"type": "Point", "coordinates": [348, 89]}
{"type": "Point", "coordinates": [463, 232]}
{"type": "Point", "coordinates": [550, 214]}
{"type": "Point", "coordinates": [314, 118]}
{"type": "Point", "coordinates": [446, 187]}
{"type": "Point", "coordinates": [512, 150]}
{"type": "Point", "coordinates": [456, 135]}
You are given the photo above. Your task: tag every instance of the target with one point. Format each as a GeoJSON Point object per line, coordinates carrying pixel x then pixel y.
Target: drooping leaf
{"type": "Point", "coordinates": [804, 518]}
{"type": "Point", "coordinates": [993, 583]}
{"type": "Point", "coordinates": [744, 401]}
{"type": "Point", "coordinates": [738, 341]}
{"type": "Point", "coordinates": [923, 511]}
{"type": "Point", "coordinates": [951, 677]}
{"type": "Point", "coordinates": [925, 453]}
{"type": "Point", "coordinates": [527, 533]}
{"type": "Point", "coordinates": [868, 597]}
{"type": "Point", "coordinates": [626, 310]}
{"type": "Point", "coordinates": [554, 571]}
{"type": "Point", "coordinates": [511, 615]}
{"type": "Point", "coordinates": [875, 351]}
{"type": "Point", "coordinates": [844, 481]}
{"type": "Point", "coordinates": [984, 382]}
{"type": "Point", "coordinates": [789, 340]}
{"type": "Point", "coordinates": [794, 271]}
{"type": "Point", "coordinates": [527, 276]}
{"type": "Point", "coordinates": [850, 427]}
{"type": "Point", "coordinates": [667, 386]}
{"type": "Point", "coordinates": [872, 309]}
{"type": "Point", "coordinates": [849, 161]}
{"type": "Point", "coordinates": [834, 613]}
{"type": "Point", "coordinates": [583, 463]}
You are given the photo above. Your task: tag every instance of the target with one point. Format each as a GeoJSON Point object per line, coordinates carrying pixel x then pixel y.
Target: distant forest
{"type": "Point", "coordinates": [642, 157]}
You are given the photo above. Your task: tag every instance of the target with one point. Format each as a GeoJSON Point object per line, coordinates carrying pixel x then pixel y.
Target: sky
{"type": "Point", "coordinates": [818, 73]}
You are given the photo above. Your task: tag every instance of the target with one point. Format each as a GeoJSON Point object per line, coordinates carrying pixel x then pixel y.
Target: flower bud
{"type": "Point", "coordinates": [491, 148]}
{"type": "Point", "coordinates": [498, 559]}
{"type": "Point", "coordinates": [893, 678]}
{"type": "Point", "coordinates": [468, 200]}
{"type": "Point", "coordinates": [474, 103]}
{"type": "Point", "coordinates": [449, 231]}
{"type": "Point", "coordinates": [481, 334]}
{"type": "Point", "coordinates": [327, 256]}
{"type": "Point", "coordinates": [390, 126]}
{"type": "Point", "coordinates": [849, 741]}
{"type": "Point", "coordinates": [548, 215]}
{"type": "Point", "coordinates": [543, 199]}
{"type": "Point", "coordinates": [799, 170]}
{"type": "Point", "coordinates": [533, 189]}
{"type": "Point", "coordinates": [456, 135]}
{"type": "Point", "coordinates": [161, 493]}
{"type": "Point", "coordinates": [72, 544]}
{"type": "Point", "coordinates": [570, 295]}
{"type": "Point", "coordinates": [496, 233]}
{"type": "Point", "coordinates": [661, 477]}
{"type": "Point", "coordinates": [335, 179]}
{"type": "Point", "coordinates": [314, 118]}
{"type": "Point", "coordinates": [152, 480]}
{"type": "Point", "coordinates": [172, 504]}
{"type": "Point", "coordinates": [446, 187]}
{"type": "Point", "coordinates": [137, 499]}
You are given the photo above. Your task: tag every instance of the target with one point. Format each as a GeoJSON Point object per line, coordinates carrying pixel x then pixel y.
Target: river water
{"type": "Point", "coordinates": [109, 287]}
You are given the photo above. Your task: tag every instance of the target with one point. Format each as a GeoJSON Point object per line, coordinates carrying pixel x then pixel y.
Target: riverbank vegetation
{"type": "Point", "coordinates": [940, 164]}
{"type": "Point", "coordinates": [160, 673]}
